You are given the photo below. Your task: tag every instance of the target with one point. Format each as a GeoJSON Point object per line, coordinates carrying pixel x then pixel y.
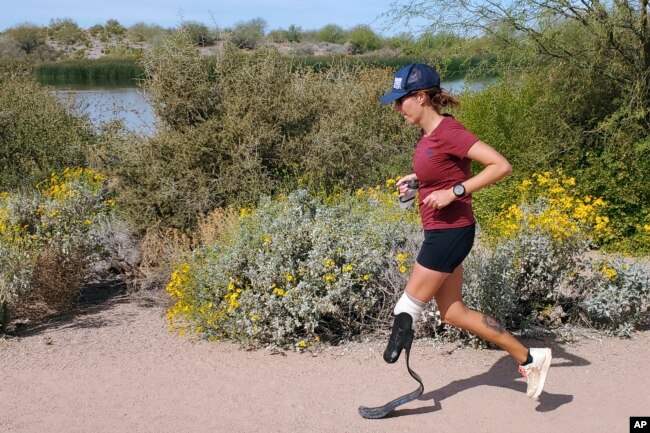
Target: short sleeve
{"type": "Point", "coordinates": [458, 140]}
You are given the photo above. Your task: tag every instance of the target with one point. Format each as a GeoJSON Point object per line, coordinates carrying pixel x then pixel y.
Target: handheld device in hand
{"type": "Point", "coordinates": [406, 201]}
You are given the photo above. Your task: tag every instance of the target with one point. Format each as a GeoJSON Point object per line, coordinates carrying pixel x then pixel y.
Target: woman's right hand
{"type": "Point", "coordinates": [402, 184]}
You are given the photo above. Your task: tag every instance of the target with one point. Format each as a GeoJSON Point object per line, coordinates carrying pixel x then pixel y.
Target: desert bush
{"type": "Point", "coordinates": [294, 33]}
{"type": "Point", "coordinates": [531, 270]}
{"type": "Point", "coordinates": [246, 124]}
{"type": "Point", "coordinates": [291, 34]}
{"type": "Point", "coordinates": [66, 31]}
{"type": "Point", "coordinates": [96, 30]}
{"type": "Point", "coordinates": [296, 269]}
{"type": "Point", "coordinates": [278, 36]}
{"type": "Point", "coordinates": [617, 295]}
{"type": "Point", "coordinates": [248, 34]}
{"type": "Point", "coordinates": [332, 33]}
{"type": "Point", "coordinates": [28, 36]}
{"type": "Point", "coordinates": [37, 134]}
{"type": "Point", "coordinates": [364, 38]}
{"type": "Point", "coordinates": [48, 237]}
{"type": "Point", "coordinates": [114, 28]}
{"type": "Point", "coordinates": [515, 115]}
{"type": "Point", "coordinates": [199, 33]}
{"type": "Point", "coordinates": [152, 33]}
{"type": "Point", "coordinates": [10, 50]}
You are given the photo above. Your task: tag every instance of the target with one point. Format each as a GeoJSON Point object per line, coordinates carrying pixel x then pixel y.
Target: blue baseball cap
{"type": "Point", "coordinates": [416, 76]}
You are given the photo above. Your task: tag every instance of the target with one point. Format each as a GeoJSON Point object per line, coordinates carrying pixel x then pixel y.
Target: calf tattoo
{"type": "Point", "coordinates": [491, 323]}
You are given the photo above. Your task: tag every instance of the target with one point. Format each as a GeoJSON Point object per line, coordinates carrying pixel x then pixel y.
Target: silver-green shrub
{"type": "Point", "coordinates": [48, 236]}
{"type": "Point", "coordinates": [617, 295]}
{"type": "Point", "coordinates": [298, 268]}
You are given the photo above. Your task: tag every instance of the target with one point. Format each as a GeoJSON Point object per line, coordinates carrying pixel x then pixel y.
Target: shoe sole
{"type": "Point", "coordinates": [542, 374]}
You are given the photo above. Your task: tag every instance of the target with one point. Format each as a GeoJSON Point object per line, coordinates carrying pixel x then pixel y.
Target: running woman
{"type": "Point", "coordinates": [442, 165]}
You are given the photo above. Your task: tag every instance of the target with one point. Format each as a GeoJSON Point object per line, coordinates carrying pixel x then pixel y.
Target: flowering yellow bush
{"type": "Point", "coordinates": [546, 203]}
{"type": "Point", "coordinates": [61, 186]}
{"type": "Point", "coordinates": [296, 267]}
{"type": "Point", "coordinates": [48, 235]}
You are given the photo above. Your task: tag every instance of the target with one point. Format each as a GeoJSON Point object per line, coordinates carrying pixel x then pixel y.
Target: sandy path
{"type": "Point", "coordinates": [113, 367]}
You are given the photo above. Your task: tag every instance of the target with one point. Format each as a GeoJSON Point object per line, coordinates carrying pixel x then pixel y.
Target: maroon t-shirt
{"type": "Point", "coordinates": [440, 161]}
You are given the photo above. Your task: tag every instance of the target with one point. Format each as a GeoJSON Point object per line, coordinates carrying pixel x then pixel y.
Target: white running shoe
{"type": "Point", "coordinates": [535, 372]}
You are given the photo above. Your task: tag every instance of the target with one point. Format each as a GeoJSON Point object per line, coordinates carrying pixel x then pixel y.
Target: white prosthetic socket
{"type": "Point", "coordinates": [410, 305]}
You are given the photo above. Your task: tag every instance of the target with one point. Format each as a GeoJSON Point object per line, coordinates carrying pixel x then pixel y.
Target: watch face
{"type": "Point", "coordinates": [459, 190]}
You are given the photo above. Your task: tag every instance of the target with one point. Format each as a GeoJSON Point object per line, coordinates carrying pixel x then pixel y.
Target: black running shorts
{"type": "Point", "coordinates": [444, 249]}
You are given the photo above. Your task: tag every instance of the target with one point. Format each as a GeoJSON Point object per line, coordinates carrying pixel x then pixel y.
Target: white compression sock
{"type": "Point", "coordinates": [410, 305]}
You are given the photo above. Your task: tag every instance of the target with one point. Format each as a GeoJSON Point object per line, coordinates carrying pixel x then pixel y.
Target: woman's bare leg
{"type": "Point", "coordinates": [426, 284]}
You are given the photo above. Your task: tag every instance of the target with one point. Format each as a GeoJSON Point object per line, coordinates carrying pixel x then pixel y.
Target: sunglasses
{"type": "Point", "coordinates": [401, 100]}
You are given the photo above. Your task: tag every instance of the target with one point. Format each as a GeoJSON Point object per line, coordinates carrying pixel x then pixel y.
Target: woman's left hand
{"type": "Point", "coordinates": [439, 199]}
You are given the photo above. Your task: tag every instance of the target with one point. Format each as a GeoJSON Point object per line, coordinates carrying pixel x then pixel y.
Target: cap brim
{"type": "Point", "coordinates": [392, 96]}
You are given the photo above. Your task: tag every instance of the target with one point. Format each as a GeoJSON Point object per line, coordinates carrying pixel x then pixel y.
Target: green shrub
{"type": "Point", "coordinates": [365, 38]}
{"type": "Point", "coordinates": [114, 28]}
{"type": "Point", "coordinates": [248, 124]}
{"type": "Point", "coordinates": [28, 36]}
{"type": "Point", "coordinates": [66, 31]}
{"type": "Point", "coordinates": [198, 33]}
{"type": "Point", "coordinates": [152, 33]}
{"type": "Point", "coordinates": [37, 134]}
{"type": "Point", "coordinates": [332, 33]}
{"type": "Point", "coordinates": [551, 118]}
{"type": "Point", "coordinates": [248, 34]}
{"type": "Point", "coordinates": [97, 30]}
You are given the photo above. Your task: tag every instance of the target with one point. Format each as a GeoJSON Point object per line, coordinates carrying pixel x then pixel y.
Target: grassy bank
{"type": "Point", "coordinates": [454, 67]}
{"type": "Point", "coordinates": [127, 71]}
{"type": "Point", "coordinates": [96, 72]}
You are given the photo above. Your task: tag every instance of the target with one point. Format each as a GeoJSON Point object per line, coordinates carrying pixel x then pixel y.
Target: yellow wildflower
{"type": "Point", "coordinates": [609, 272]}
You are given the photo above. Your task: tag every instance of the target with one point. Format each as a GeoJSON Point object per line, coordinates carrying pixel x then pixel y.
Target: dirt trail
{"type": "Point", "coordinates": [114, 367]}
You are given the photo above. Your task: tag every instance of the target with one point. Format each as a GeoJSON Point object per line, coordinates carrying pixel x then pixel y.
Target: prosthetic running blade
{"type": "Point", "coordinates": [382, 411]}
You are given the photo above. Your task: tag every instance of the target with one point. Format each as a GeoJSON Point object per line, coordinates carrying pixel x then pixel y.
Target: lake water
{"type": "Point", "coordinates": [130, 104]}
{"type": "Point", "coordinates": [107, 104]}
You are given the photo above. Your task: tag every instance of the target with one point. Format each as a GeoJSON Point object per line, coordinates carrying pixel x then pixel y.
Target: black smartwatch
{"type": "Point", "coordinates": [459, 190]}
